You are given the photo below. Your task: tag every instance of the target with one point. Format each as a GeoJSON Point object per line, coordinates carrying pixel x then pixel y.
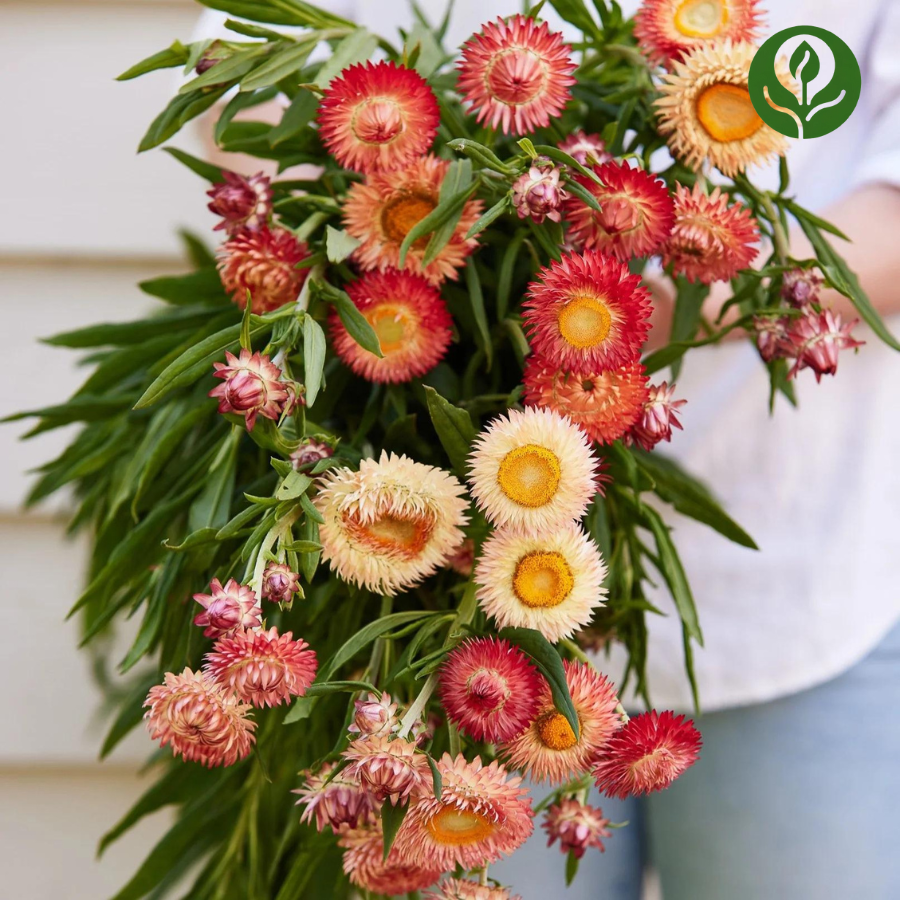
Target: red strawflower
{"type": "Point", "coordinates": [516, 73]}
{"type": "Point", "coordinates": [263, 263]}
{"type": "Point", "coordinates": [587, 313]}
{"type": "Point", "coordinates": [816, 339]}
{"type": "Point", "coordinates": [252, 387]}
{"type": "Point", "coordinates": [227, 608]}
{"type": "Point", "coordinates": [604, 405]}
{"type": "Point", "coordinates": [657, 419]}
{"type": "Point", "coordinates": [489, 689]}
{"type": "Point", "coordinates": [647, 754]}
{"type": "Point", "coordinates": [576, 826]}
{"type": "Point", "coordinates": [636, 212]}
{"type": "Point", "coordinates": [377, 117]}
{"type": "Point", "coordinates": [586, 148]}
{"type": "Point", "coordinates": [241, 202]}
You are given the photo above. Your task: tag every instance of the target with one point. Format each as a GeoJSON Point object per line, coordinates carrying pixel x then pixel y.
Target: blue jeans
{"type": "Point", "coordinates": [797, 799]}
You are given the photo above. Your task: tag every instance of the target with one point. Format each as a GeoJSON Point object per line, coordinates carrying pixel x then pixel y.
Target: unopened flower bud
{"type": "Point", "coordinates": [241, 202]}
{"type": "Point", "coordinates": [537, 194]}
{"type": "Point", "coordinates": [279, 583]}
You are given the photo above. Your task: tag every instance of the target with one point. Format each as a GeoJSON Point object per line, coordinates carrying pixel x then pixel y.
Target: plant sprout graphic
{"type": "Point", "coordinates": [801, 108]}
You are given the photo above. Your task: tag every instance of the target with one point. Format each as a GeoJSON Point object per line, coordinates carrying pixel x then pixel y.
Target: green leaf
{"type": "Point", "coordinates": [119, 334]}
{"type": "Point", "coordinates": [241, 521]}
{"type": "Point", "coordinates": [454, 428]}
{"type": "Point", "coordinates": [281, 64]}
{"type": "Point", "coordinates": [131, 714]}
{"type": "Point", "coordinates": [302, 709]}
{"type": "Point", "coordinates": [198, 360]}
{"type": "Point", "coordinates": [572, 862]}
{"type": "Point", "coordinates": [559, 156]}
{"type": "Point", "coordinates": [338, 244]}
{"type": "Point", "coordinates": [548, 660]}
{"type": "Point", "coordinates": [176, 55]}
{"type": "Point", "coordinates": [354, 321]}
{"type": "Point", "coordinates": [689, 299]}
{"type": "Point", "coordinates": [204, 169]}
{"type": "Point", "coordinates": [457, 179]}
{"type": "Point", "coordinates": [238, 103]}
{"type": "Point", "coordinates": [391, 819]}
{"type": "Point", "coordinates": [229, 69]}
{"type": "Point", "coordinates": [83, 408]}
{"type": "Point", "coordinates": [436, 779]}
{"type": "Point", "coordinates": [314, 348]}
{"type": "Point", "coordinates": [577, 13]}
{"type": "Point", "coordinates": [180, 110]}
{"type": "Point", "coordinates": [476, 298]}
{"type": "Point", "coordinates": [295, 118]}
{"type": "Point", "coordinates": [339, 687]}
{"type": "Point", "coordinates": [442, 213]}
{"type": "Point", "coordinates": [278, 12]}
{"type": "Point", "coordinates": [294, 485]}
{"type": "Point", "coordinates": [491, 216]}
{"type": "Point", "coordinates": [203, 286]}
{"type": "Point", "coordinates": [356, 47]}
{"type": "Point", "coordinates": [210, 511]}
{"type": "Point", "coordinates": [303, 547]}
{"type": "Point", "coordinates": [583, 194]}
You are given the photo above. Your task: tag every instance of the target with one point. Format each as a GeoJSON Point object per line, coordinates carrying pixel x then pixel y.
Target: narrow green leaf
{"type": "Point", "coordinates": [310, 510]}
{"type": "Point", "coordinates": [457, 179]}
{"type": "Point", "coordinates": [582, 193]}
{"type": "Point", "coordinates": [476, 298]}
{"type": "Point", "coordinates": [293, 486]}
{"type": "Point", "coordinates": [131, 714]}
{"type": "Point", "coordinates": [442, 213]}
{"type": "Point", "coordinates": [548, 660]}
{"type": "Point", "coordinates": [489, 217]}
{"type": "Point", "coordinates": [354, 321]}
{"type": "Point", "coordinates": [437, 780]}
{"type": "Point", "coordinates": [295, 118]}
{"type": "Point", "coordinates": [338, 244]}
{"type": "Point", "coordinates": [356, 47]}
{"type": "Point", "coordinates": [559, 156]}
{"type": "Point", "coordinates": [281, 64]}
{"type": "Point", "coordinates": [203, 286]}
{"type": "Point", "coordinates": [572, 862]}
{"type": "Point", "coordinates": [303, 547]}
{"type": "Point", "coordinates": [302, 709]}
{"type": "Point", "coordinates": [454, 428]}
{"type": "Point", "coordinates": [241, 521]}
{"type": "Point", "coordinates": [204, 169]}
{"type": "Point", "coordinates": [238, 103]}
{"type": "Point", "coordinates": [176, 55]}
{"type": "Point", "coordinates": [314, 348]}
{"type": "Point", "coordinates": [391, 819]}
{"type": "Point", "coordinates": [229, 69]}
{"type": "Point", "coordinates": [180, 110]}
{"type": "Point", "coordinates": [689, 299]}
{"type": "Point", "coordinates": [323, 689]}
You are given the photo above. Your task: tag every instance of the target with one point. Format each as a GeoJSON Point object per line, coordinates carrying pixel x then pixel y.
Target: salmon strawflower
{"type": "Point", "coordinates": [647, 754]}
{"type": "Point", "coordinates": [263, 264]}
{"type": "Point", "coordinates": [374, 716]}
{"type": "Point", "coordinates": [549, 749]}
{"type": "Point", "coordinates": [577, 826]}
{"type": "Point", "coordinates": [378, 117]}
{"type": "Point", "coordinates": [706, 110]}
{"type": "Point", "coordinates": [279, 583]}
{"type": "Point", "coordinates": [458, 889]}
{"type": "Point", "coordinates": [263, 668]}
{"type": "Point", "coordinates": [516, 74]}
{"type": "Point", "coordinates": [587, 149]}
{"type": "Point", "coordinates": [489, 689]}
{"type": "Point", "coordinates": [383, 209]}
{"type": "Point", "coordinates": [251, 387]}
{"type": "Point", "coordinates": [200, 719]}
{"type": "Point", "coordinates": [587, 313]}
{"type": "Point", "coordinates": [365, 866]}
{"type": "Point", "coordinates": [226, 609]}
{"type": "Point", "coordinates": [532, 470]}
{"type": "Point", "coordinates": [635, 217]}
{"type": "Point", "coordinates": [814, 341]}
{"type": "Point", "coordinates": [481, 815]}
{"type": "Point", "coordinates": [657, 419]}
{"type": "Point", "coordinates": [711, 241]}
{"type": "Point", "coordinates": [389, 769]}
{"type": "Point", "coordinates": [392, 523]}
{"type": "Point", "coordinates": [551, 581]}
{"type": "Point", "coordinates": [334, 802]}
{"type": "Point", "coordinates": [410, 319]}
{"type": "Point", "coordinates": [668, 29]}
{"type": "Point", "coordinates": [604, 404]}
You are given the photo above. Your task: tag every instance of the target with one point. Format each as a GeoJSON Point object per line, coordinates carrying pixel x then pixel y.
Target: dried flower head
{"type": "Point", "coordinates": [458, 889]}
{"type": "Point", "coordinates": [227, 608]}
{"type": "Point", "coordinates": [800, 287]}
{"type": "Point", "coordinates": [576, 826]}
{"type": "Point", "coordinates": [374, 715]}
{"type": "Point", "coordinates": [251, 387]}
{"type": "Point", "coordinates": [658, 418]}
{"type": "Point", "coordinates": [772, 337]}
{"type": "Point", "coordinates": [365, 866]}
{"type": "Point", "coordinates": [337, 803]}
{"type": "Point", "coordinates": [815, 340]}
{"type": "Point", "coordinates": [388, 768]}
{"type": "Point", "coordinates": [241, 202]}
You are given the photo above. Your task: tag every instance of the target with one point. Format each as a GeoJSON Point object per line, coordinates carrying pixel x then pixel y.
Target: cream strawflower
{"type": "Point", "coordinates": [392, 523]}
{"type": "Point", "coordinates": [551, 581]}
{"type": "Point", "coordinates": [532, 470]}
{"type": "Point", "coordinates": [706, 110]}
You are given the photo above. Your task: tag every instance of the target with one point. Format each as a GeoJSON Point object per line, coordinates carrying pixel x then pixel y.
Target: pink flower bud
{"type": "Point", "coordinates": [252, 387]}
{"type": "Point", "coordinates": [815, 341]}
{"type": "Point", "coordinates": [309, 453]}
{"type": "Point", "coordinates": [279, 583]}
{"type": "Point", "coordinates": [658, 418]}
{"type": "Point", "coordinates": [227, 608]}
{"type": "Point", "coordinates": [800, 287]}
{"type": "Point", "coordinates": [336, 803]}
{"type": "Point", "coordinates": [388, 769]}
{"type": "Point", "coordinates": [585, 148]}
{"type": "Point", "coordinates": [576, 826]}
{"type": "Point", "coordinates": [771, 337]}
{"type": "Point", "coordinates": [241, 202]}
{"type": "Point", "coordinates": [537, 194]}
{"type": "Point", "coordinates": [374, 716]}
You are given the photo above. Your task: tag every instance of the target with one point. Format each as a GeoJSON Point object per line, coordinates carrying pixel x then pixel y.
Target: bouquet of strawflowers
{"type": "Point", "coordinates": [387, 557]}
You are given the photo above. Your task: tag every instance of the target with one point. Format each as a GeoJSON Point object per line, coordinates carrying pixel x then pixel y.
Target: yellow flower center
{"type": "Point", "coordinates": [543, 580]}
{"type": "Point", "coordinates": [456, 826]}
{"type": "Point", "coordinates": [555, 731]}
{"type": "Point", "coordinates": [390, 322]}
{"type": "Point", "coordinates": [702, 19]}
{"type": "Point", "coordinates": [584, 322]}
{"type": "Point", "coordinates": [726, 112]}
{"type": "Point", "coordinates": [403, 212]}
{"type": "Point", "coordinates": [529, 475]}
{"type": "Point", "coordinates": [377, 121]}
{"type": "Point", "coordinates": [515, 76]}
{"type": "Point", "coordinates": [392, 533]}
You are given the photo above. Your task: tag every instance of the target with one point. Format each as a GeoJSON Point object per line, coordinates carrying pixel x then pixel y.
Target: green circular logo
{"type": "Point", "coordinates": [827, 82]}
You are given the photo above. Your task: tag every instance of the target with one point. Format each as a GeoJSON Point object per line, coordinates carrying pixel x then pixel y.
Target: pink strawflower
{"type": "Point", "coordinates": [576, 825]}
{"type": "Point", "coordinates": [516, 74]}
{"type": "Point", "coordinates": [815, 341]}
{"type": "Point", "coordinates": [647, 754]}
{"type": "Point", "coordinates": [388, 769]}
{"type": "Point", "coordinates": [263, 264]}
{"type": "Point", "coordinates": [771, 337]}
{"type": "Point", "coordinates": [241, 202]}
{"type": "Point", "coordinates": [537, 193]}
{"type": "Point", "coordinates": [588, 149]}
{"type": "Point", "coordinates": [279, 583]}
{"type": "Point", "coordinates": [800, 287]}
{"type": "Point", "coordinates": [462, 560]}
{"type": "Point", "coordinates": [490, 689]}
{"type": "Point", "coordinates": [336, 804]}
{"type": "Point", "coordinates": [264, 668]}
{"type": "Point", "coordinates": [457, 889]}
{"type": "Point", "coordinates": [374, 716]}
{"type": "Point", "coordinates": [251, 387]}
{"type": "Point", "coordinates": [310, 452]}
{"type": "Point", "coordinates": [200, 720]}
{"type": "Point", "coordinates": [227, 608]}
{"type": "Point", "coordinates": [658, 418]}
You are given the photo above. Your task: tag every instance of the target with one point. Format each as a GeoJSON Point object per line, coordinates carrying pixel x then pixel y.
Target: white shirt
{"type": "Point", "coordinates": [817, 487]}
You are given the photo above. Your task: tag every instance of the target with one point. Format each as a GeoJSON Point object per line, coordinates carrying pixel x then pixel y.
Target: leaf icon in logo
{"type": "Point", "coordinates": [804, 66]}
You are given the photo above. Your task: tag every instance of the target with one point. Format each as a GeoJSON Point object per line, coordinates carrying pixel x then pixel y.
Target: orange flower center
{"type": "Point", "coordinates": [515, 76]}
{"type": "Point", "coordinates": [403, 212]}
{"type": "Point", "coordinates": [456, 826]}
{"type": "Point", "coordinates": [529, 475]}
{"type": "Point", "coordinates": [402, 535]}
{"type": "Point", "coordinates": [391, 323]}
{"type": "Point", "coordinates": [726, 112]}
{"type": "Point", "coordinates": [543, 580]}
{"type": "Point", "coordinates": [377, 121]}
{"type": "Point", "coordinates": [555, 731]}
{"type": "Point", "coordinates": [702, 19]}
{"type": "Point", "coordinates": [584, 322]}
